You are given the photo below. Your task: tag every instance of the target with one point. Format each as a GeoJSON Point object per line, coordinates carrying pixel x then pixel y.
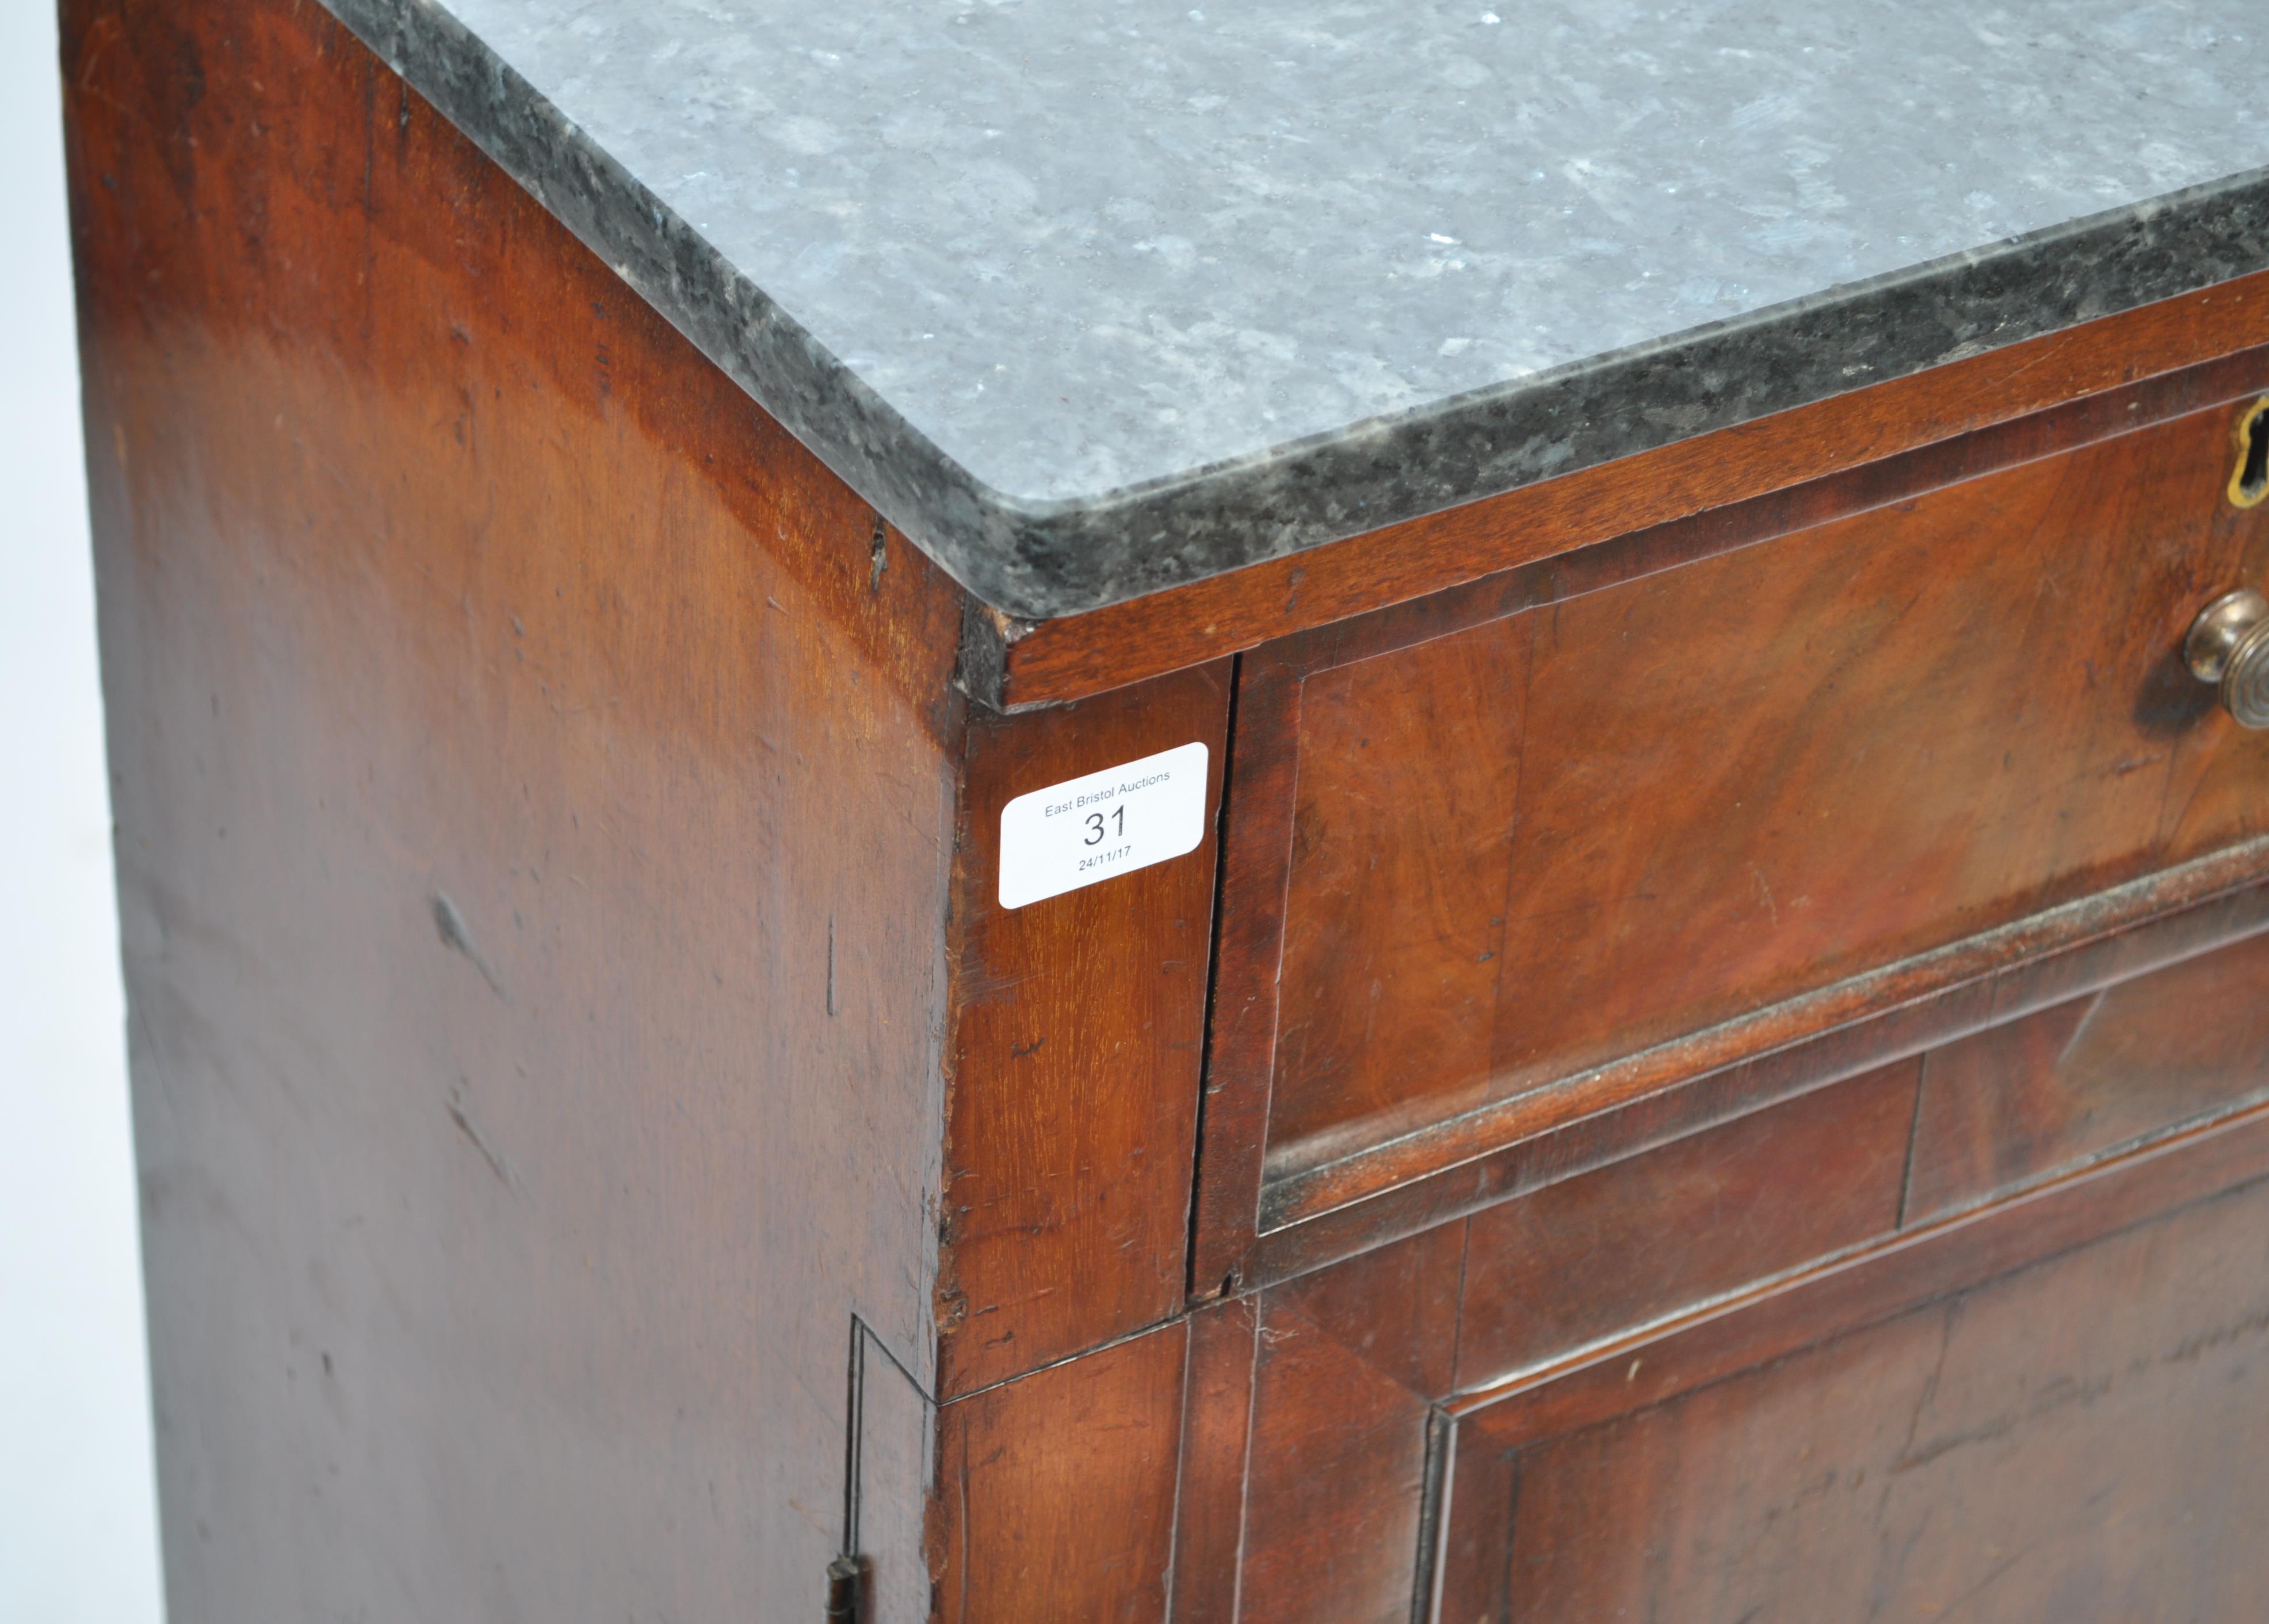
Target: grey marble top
{"type": "Point", "coordinates": [1095, 297]}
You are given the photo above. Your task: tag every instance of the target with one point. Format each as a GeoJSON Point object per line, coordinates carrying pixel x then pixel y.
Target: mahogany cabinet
{"type": "Point", "coordinates": [1691, 1042]}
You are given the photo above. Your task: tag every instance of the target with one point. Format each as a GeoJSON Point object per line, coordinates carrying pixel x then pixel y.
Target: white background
{"type": "Point", "coordinates": [77, 1525]}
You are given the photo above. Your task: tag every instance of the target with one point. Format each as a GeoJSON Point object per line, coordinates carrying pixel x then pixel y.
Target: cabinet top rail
{"type": "Point", "coordinates": [1093, 298]}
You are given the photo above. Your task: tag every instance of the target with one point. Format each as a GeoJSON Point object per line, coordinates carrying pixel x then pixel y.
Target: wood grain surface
{"type": "Point", "coordinates": [1349, 1361]}
{"type": "Point", "coordinates": [2083, 1439]}
{"type": "Point", "coordinates": [1077, 1038]}
{"type": "Point", "coordinates": [1341, 1386]}
{"type": "Point", "coordinates": [1491, 869]}
{"type": "Point", "coordinates": [1056, 1490]}
{"type": "Point", "coordinates": [1412, 1407]}
{"type": "Point", "coordinates": [1683, 1087]}
{"type": "Point", "coordinates": [1664, 805]}
{"type": "Point", "coordinates": [1635, 1241]}
{"type": "Point", "coordinates": [525, 1097]}
{"type": "Point", "coordinates": [1217, 1442]}
{"type": "Point", "coordinates": [2080, 1078]}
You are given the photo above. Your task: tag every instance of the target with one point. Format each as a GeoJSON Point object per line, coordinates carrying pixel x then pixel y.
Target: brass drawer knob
{"type": "Point", "coordinates": [2228, 645]}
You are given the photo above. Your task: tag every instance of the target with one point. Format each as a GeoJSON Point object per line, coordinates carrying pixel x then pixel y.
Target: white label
{"type": "Point", "coordinates": [1110, 823]}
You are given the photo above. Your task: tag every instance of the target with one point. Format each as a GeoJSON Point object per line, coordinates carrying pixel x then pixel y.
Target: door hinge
{"type": "Point", "coordinates": [845, 1584]}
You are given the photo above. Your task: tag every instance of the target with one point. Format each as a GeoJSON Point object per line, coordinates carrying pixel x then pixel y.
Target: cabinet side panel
{"type": "Point", "coordinates": [897, 1428]}
{"type": "Point", "coordinates": [534, 776]}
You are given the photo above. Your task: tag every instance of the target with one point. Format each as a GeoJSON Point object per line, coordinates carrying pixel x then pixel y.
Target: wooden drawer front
{"type": "Point", "coordinates": [1555, 847]}
{"type": "Point", "coordinates": [1629, 1243]}
{"type": "Point", "coordinates": [2045, 1093]}
{"type": "Point", "coordinates": [1561, 1396]}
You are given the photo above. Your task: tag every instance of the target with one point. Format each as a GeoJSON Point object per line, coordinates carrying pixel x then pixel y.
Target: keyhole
{"type": "Point", "coordinates": [2250, 481]}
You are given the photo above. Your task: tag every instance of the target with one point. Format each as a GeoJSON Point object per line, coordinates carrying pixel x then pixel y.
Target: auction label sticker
{"type": "Point", "coordinates": [1111, 823]}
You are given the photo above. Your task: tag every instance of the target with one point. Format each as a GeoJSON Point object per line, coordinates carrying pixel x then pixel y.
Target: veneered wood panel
{"type": "Point", "coordinates": [1055, 1494]}
{"type": "Point", "coordinates": [1079, 1026]}
{"type": "Point", "coordinates": [1617, 1248]}
{"type": "Point", "coordinates": [1397, 1309]}
{"type": "Point", "coordinates": [1339, 1457]}
{"type": "Point", "coordinates": [1350, 1360]}
{"type": "Point", "coordinates": [1395, 843]}
{"type": "Point", "coordinates": [1763, 772]}
{"type": "Point", "coordinates": [2086, 1439]}
{"type": "Point", "coordinates": [1216, 1436]}
{"type": "Point", "coordinates": [1473, 1581]}
{"type": "Point", "coordinates": [1353, 1357]}
{"type": "Point", "coordinates": [2019, 1100]}
{"type": "Point", "coordinates": [1476, 1162]}
{"type": "Point", "coordinates": [534, 802]}
{"type": "Point", "coordinates": [1752, 1328]}
{"type": "Point", "coordinates": [1615, 1292]}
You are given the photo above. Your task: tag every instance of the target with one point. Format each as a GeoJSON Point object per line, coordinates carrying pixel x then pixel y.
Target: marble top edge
{"type": "Point", "coordinates": [1040, 554]}
{"type": "Point", "coordinates": [1852, 298]}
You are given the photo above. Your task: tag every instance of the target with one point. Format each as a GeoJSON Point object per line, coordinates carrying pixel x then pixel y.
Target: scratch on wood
{"type": "Point", "coordinates": [1771, 906]}
{"type": "Point", "coordinates": [451, 925]}
{"type": "Point", "coordinates": [457, 1103]}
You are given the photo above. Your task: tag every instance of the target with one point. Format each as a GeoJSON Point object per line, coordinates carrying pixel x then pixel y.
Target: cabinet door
{"type": "Point", "coordinates": [2010, 1295]}
{"type": "Point", "coordinates": [2086, 1439]}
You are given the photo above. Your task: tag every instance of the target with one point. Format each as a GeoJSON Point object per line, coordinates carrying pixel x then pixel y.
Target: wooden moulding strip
{"type": "Point", "coordinates": [1904, 1272]}
{"type": "Point", "coordinates": [1600, 1116]}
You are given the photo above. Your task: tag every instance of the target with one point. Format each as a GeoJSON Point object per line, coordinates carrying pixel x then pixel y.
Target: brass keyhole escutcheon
{"type": "Point", "coordinates": [2228, 647]}
{"type": "Point", "coordinates": [2249, 481]}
